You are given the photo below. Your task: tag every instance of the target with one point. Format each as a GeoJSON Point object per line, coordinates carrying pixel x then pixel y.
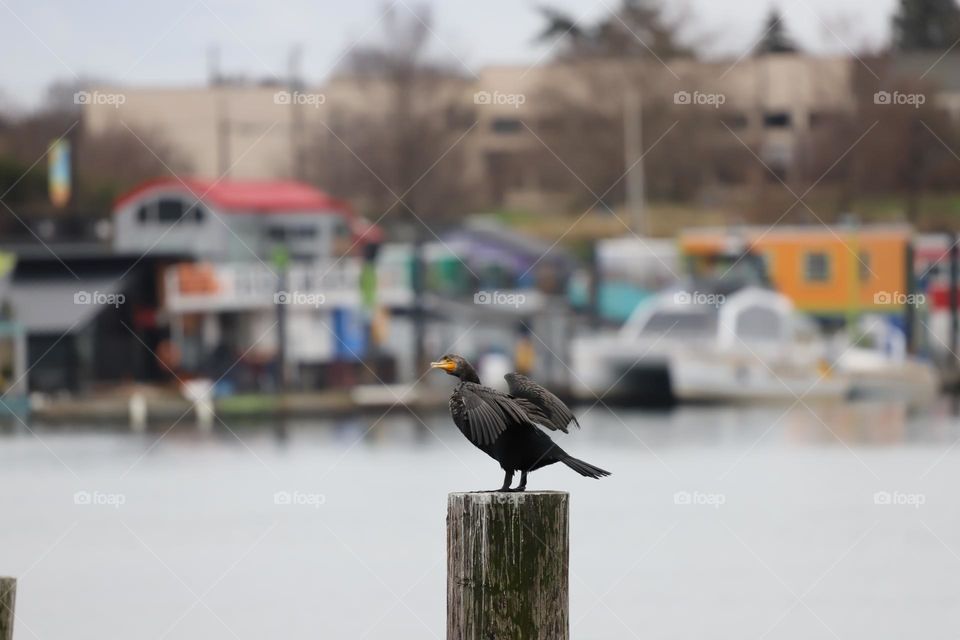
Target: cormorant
{"type": "Point", "coordinates": [505, 426]}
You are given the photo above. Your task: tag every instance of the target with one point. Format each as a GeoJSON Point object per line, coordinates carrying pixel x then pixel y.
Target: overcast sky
{"type": "Point", "coordinates": [166, 43]}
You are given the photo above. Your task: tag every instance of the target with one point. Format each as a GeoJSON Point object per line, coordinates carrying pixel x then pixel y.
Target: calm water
{"type": "Point", "coordinates": [783, 537]}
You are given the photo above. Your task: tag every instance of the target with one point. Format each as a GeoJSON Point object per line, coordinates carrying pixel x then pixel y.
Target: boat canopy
{"type": "Point", "coordinates": [748, 315]}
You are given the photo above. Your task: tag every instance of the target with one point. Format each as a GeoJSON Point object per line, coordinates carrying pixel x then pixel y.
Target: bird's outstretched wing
{"type": "Point", "coordinates": [548, 410]}
{"type": "Point", "coordinates": [490, 413]}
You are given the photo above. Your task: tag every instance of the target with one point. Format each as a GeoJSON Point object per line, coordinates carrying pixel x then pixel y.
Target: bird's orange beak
{"type": "Point", "coordinates": [445, 364]}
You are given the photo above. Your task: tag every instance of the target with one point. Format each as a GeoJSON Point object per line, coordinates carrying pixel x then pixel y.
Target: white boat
{"type": "Point", "coordinates": [749, 344]}
{"type": "Point", "coordinates": [879, 365]}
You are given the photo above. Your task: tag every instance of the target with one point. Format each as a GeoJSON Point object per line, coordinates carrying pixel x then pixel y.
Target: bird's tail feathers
{"type": "Point", "coordinates": [584, 468]}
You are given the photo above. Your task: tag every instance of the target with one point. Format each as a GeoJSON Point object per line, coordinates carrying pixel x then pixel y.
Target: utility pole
{"type": "Point", "coordinates": [295, 84]}
{"type": "Point", "coordinates": [216, 82]}
{"type": "Point", "coordinates": [633, 156]}
{"type": "Point", "coordinates": [223, 135]}
{"type": "Point", "coordinates": [953, 297]}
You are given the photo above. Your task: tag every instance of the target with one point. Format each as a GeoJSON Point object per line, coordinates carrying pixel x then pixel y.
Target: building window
{"type": "Point", "coordinates": [287, 233]}
{"type": "Point", "coordinates": [195, 214]}
{"type": "Point", "coordinates": [169, 210]}
{"type": "Point", "coordinates": [776, 120]}
{"type": "Point", "coordinates": [816, 267]}
{"type": "Point", "coordinates": [736, 121]}
{"type": "Point", "coordinates": [506, 125]}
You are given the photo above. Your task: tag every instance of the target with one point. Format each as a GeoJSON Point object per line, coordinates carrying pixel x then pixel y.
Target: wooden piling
{"type": "Point", "coordinates": [507, 566]}
{"type": "Point", "coordinates": [8, 600]}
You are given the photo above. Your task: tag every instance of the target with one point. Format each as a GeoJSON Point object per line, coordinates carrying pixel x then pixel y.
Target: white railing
{"type": "Point", "coordinates": [197, 287]}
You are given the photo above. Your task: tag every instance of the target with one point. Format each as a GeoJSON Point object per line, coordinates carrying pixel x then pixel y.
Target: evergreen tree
{"type": "Point", "coordinates": [775, 38]}
{"type": "Point", "coordinates": [926, 25]}
{"type": "Point", "coordinates": [635, 28]}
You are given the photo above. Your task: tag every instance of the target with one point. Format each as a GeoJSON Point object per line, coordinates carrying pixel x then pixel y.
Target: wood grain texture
{"type": "Point", "coordinates": [507, 566]}
{"type": "Point", "coordinates": [8, 600]}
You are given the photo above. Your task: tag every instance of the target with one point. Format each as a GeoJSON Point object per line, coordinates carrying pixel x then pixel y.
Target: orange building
{"type": "Point", "coordinates": [827, 271]}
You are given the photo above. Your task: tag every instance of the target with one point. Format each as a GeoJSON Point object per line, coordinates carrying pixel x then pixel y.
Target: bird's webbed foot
{"type": "Point", "coordinates": [519, 488]}
{"type": "Point", "coordinates": [523, 483]}
{"type": "Point", "coordinates": [507, 481]}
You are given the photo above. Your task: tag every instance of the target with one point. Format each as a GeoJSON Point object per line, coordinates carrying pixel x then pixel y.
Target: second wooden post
{"type": "Point", "coordinates": [8, 602]}
{"type": "Point", "coordinates": [507, 566]}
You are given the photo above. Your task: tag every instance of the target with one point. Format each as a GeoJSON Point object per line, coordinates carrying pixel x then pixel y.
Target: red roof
{"type": "Point", "coordinates": [261, 196]}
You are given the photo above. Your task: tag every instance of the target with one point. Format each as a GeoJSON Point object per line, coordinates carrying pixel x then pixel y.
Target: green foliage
{"type": "Point", "coordinates": [513, 216]}
{"type": "Point", "coordinates": [20, 182]}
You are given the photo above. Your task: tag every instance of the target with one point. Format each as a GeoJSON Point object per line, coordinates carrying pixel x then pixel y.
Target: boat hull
{"type": "Point", "coordinates": [740, 378]}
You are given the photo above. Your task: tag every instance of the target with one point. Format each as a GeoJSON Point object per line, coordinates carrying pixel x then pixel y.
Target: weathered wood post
{"type": "Point", "coordinates": [8, 599]}
{"type": "Point", "coordinates": [507, 566]}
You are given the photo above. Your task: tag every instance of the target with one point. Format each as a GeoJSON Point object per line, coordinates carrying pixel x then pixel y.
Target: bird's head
{"type": "Point", "coordinates": [456, 366]}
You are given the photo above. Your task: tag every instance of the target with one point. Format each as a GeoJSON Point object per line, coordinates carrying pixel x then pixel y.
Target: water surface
{"type": "Point", "coordinates": [718, 523]}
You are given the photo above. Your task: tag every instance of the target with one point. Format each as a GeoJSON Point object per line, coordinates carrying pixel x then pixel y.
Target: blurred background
{"type": "Point", "coordinates": [232, 239]}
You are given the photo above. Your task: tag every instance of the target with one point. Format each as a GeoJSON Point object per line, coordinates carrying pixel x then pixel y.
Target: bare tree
{"type": "Point", "coordinates": [116, 160]}
{"type": "Point", "coordinates": [633, 49]}
{"type": "Point", "coordinates": [895, 143]}
{"type": "Point", "coordinates": [104, 165]}
{"type": "Point", "coordinates": [586, 130]}
{"type": "Point", "coordinates": [391, 140]}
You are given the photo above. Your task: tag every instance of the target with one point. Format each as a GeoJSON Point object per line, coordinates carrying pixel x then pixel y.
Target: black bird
{"type": "Point", "coordinates": [505, 426]}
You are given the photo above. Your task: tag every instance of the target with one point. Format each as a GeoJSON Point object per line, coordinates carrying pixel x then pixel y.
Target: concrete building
{"type": "Point", "coordinates": [934, 72]}
{"type": "Point", "coordinates": [262, 132]}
